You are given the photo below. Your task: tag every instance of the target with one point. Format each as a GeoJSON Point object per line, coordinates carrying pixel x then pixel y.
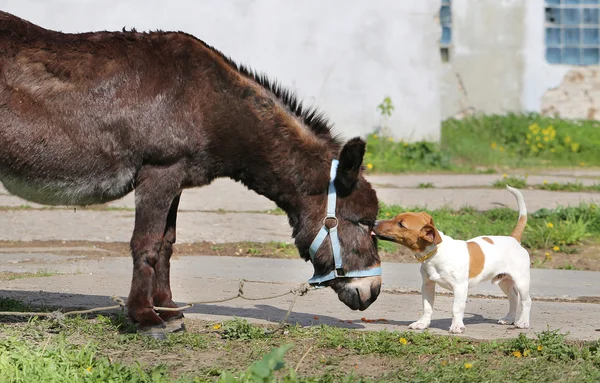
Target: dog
{"type": "Point", "coordinates": [457, 265]}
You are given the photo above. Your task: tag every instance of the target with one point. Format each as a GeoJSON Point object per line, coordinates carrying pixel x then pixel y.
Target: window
{"type": "Point", "coordinates": [446, 23]}
{"type": "Point", "coordinates": [573, 32]}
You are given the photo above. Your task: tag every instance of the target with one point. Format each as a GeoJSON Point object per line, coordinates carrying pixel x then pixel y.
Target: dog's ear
{"type": "Point", "coordinates": [428, 233]}
{"type": "Point", "coordinates": [428, 218]}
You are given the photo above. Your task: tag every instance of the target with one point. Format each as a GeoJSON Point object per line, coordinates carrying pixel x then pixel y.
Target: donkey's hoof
{"type": "Point", "coordinates": [155, 332]}
{"type": "Point", "coordinates": [175, 325]}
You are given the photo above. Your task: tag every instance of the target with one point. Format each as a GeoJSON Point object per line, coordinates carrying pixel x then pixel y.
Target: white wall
{"type": "Point", "coordinates": [538, 75]}
{"type": "Point", "coordinates": [343, 55]}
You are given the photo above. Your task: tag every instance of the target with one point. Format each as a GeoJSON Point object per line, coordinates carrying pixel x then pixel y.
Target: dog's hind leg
{"type": "Point", "coordinates": [522, 286]}
{"type": "Point", "coordinates": [508, 287]}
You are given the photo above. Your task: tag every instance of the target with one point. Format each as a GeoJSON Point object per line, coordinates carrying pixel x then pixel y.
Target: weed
{"type": "Point", "coordinates": [425, 185]}
{"type": "Point", "coordinates": [240, 329]}
{"type": "Point", "coordinates": [516, 182]}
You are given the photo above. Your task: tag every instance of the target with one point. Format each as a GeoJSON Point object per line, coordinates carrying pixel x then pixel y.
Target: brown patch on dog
{"type": "Point", "coordinates": [517, 232]}
{"type": "Point", "coordinates": [488, 240]}
{"type": "Point", "coordinates": [476, 259]}
{"type": "Point", "coordinates": [415, 231]}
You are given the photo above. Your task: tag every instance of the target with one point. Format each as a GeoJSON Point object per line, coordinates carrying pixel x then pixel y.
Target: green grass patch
{"type": "Point", "coordinates": [490, 142]}
{"type": "Point", "coordinates": [546, 228]}
{"type": "Point", "coordinates": [99, 350]}
{"type": "Point", "coordinates": [515, 182]}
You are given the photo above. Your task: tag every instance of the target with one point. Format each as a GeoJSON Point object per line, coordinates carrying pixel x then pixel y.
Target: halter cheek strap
{"type": "Point", "coordinates": [332, 233]}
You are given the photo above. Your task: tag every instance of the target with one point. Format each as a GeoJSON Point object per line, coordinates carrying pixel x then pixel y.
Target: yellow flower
{"type": "Point", "coordinates": [545, 182]}
{"type": "Point", "coordinates": [88, 370]}
{"type": "Point", "coordinates": [387, 214]}
{"type": "Point", "coordinates": [537, 138]}
{"type": "Point", "coordinates": [582, 164]}
{"type": "Point", "coordinates": [526, 353]}
{"type": "Point", "coordinates": [567, 139]}
{"type": "Point", "coordinates": [216, 326]}
{"type": "Point", "coordinates": [527, 142]}
{"type": "Point", "coordinates": [540, 145]}
{"type": "Point", "coordinates": [391, 139]}
{"type": "Point", "coordinates": [405, 144]}
{"type": "Point", "coordinates": [501, 149]}
{"type": "Point", "coordinates": [369, 166]}
{"type": "Point", "coordinates": [517, 354]}
{"type": "Point", "coordinates": [444, 362]}
{"type": "Point", "coordinates": [574, 147]}
{"type": "Point", "coordinates": [550, 225]}
{"type": "Point", "coordinates": [493, 145]}
{"type": "Point", "coordinates": [468, 365]}
{"type": "Point", "coordinates": [552, 150]}
{"type": "Point", "coordinates": [548, 256]}
{"type": "Point", "coordinates": [375, 136]}
{"type": "Point", "coordinates": [556, 248]}
{"type": "Point", "coordinates": [540, 347]}
{"type": "Point", "coordinates": [403, 341]}
{"type": "Point", "coordinates": [504, 175]}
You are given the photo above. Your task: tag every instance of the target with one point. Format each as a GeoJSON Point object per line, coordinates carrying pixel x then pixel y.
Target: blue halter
{"type": "Point", "coordinates": [338, 271]}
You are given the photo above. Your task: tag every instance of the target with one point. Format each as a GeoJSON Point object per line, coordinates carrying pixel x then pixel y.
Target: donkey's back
{"type": "Point", "coordinates": [80, 113]}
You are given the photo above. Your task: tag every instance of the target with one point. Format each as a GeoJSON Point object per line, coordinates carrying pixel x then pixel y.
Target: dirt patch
{"type": "Point", "coordinates": [586, 257]}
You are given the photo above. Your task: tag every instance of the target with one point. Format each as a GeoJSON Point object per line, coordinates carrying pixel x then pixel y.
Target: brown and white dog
{"type": "Point", "coordinates": [457, 265]}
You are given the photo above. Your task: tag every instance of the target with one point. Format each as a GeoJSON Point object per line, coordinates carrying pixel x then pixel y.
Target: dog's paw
{"type": "Point", "coordinates": [522, 324]}
{"type": "Point", "coordinates": [506, 321]}
{"type": "Point", "coordinates": [457, 328]}
{"type": "Point", "coordinates": [418, 325]}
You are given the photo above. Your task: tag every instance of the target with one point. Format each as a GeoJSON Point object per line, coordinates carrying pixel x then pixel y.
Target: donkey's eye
{"type": "Point", "coordinates": [365, 224]}
{"type": "Point", "coordinates": [401, 225]}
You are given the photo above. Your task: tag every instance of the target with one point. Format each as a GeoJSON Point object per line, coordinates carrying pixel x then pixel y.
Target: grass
{"type": "Point", "coordinates": [521, 183]}
{"type": "Point", "coordinates": [103, 349]}
{"type": "Point", "coordinates": [491, 142]}
{"type": "Point", "coordinates": [546, 228]}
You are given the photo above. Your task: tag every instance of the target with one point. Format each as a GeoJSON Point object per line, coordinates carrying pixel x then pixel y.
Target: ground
{"type": "Point", "coordinates": [78, 258]}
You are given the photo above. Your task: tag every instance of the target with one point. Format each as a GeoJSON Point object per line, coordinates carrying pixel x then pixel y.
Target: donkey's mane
{"type": "Point", "coordinates": [313, 118]}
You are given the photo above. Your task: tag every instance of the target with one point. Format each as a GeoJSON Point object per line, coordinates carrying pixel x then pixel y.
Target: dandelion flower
{"type": "Point", "coordinates": [540, 347]}
{"type": "Point", "coordinates": [556, 248]}
{"type": "Point", "coordinates": [391, 139]}
{"type": "Point", "coordinates": [582, 164]}
{"type": "Point", "coordinates": [88, 370]}
{"type": "Point", "coordinates": [550, 225]}
{"type": "Point", "coordinates": [403, 341]}
{"type": "Point", "coordinates": [501, 149]}
{"type": "Point", "coordinates": [504, 175]}
{"type": "Point", "coordinates": [216, 326]}
{"type": "Point", "coordinates": [493, 145]}
{"type": "Point", "coordinates": [468, 365]}
{"type": "Point", "coordinates": [369, 166]}
{"type": "Point", "coordinates": [517, 354]}
{"type": "Point", "coordinates": [526, 353]}
{"type": "Point", "coordinates": [567, 139]}
{"type": "Point", "coordinates": [375, 136]}
{"type": "Point", "coordinates": [548, 256]}
{"type": "Point", "coordinates": [545, 182]}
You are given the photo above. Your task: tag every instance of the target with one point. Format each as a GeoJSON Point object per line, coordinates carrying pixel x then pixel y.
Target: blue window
{"type": "Point", "coordinates": [573, 32]}
{"type": "Point", "coordinates": [446, 24]}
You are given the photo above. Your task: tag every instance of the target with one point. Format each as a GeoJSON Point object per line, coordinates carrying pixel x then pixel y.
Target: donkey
{"type": "Point", "coordinates": [87, 118]}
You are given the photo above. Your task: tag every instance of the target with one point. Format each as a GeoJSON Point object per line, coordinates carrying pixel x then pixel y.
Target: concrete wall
{"type": "Point", "coordinates": [486, 64]}
{"type": "Point", "coordinates": [343, 55]}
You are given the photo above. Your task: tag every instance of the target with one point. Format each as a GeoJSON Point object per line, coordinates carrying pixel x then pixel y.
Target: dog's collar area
{"type": "Point", "coordinates": [332, 233]}
{"type": "Point", "coordinates": [422, 258]}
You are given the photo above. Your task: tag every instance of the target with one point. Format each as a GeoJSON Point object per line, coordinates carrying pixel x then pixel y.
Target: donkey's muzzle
{"type": "Point", "coordinates": [359, 293]}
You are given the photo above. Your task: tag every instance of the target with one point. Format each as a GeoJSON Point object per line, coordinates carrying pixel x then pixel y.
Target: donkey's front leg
{"type": "Point", "coordinates": [162, 285]}
{"type": "Point", "coordinates": [155, 189]}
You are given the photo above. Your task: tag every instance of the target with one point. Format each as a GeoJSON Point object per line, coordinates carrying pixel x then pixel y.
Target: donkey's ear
{"type": "Point", "coordinates": [351, 158]}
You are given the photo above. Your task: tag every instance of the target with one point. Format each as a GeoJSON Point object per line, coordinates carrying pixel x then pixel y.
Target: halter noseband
{"type": "Point", "coordinates": [338, 271]}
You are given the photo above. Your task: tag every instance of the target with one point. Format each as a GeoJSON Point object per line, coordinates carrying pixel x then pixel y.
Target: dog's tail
{"type": "Point", "coordinates": [517, 232]}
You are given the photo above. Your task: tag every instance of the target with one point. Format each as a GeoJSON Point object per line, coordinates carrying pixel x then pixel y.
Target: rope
{"type": "Point", "coordinates": [59, 315]}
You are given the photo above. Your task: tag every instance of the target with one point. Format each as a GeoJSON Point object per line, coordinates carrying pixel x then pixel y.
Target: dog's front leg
{"type": "Point", "coordinates": [461, 292]}
{"type": "Point", "coordinates": [428, 295]}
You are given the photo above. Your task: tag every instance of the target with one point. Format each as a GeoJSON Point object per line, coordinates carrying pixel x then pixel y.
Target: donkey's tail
{"type": "Point", "coordinates": [517, 232]}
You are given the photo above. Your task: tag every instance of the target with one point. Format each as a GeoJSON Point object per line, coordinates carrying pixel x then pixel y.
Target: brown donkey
{"type": "Point", "coordinates": [87, 118]}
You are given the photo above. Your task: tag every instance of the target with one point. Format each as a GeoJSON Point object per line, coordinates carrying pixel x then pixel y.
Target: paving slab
{"type": "Point", "coordinates": [197, 278]}
{"type": "Point", "coordinates": [117, 226]}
